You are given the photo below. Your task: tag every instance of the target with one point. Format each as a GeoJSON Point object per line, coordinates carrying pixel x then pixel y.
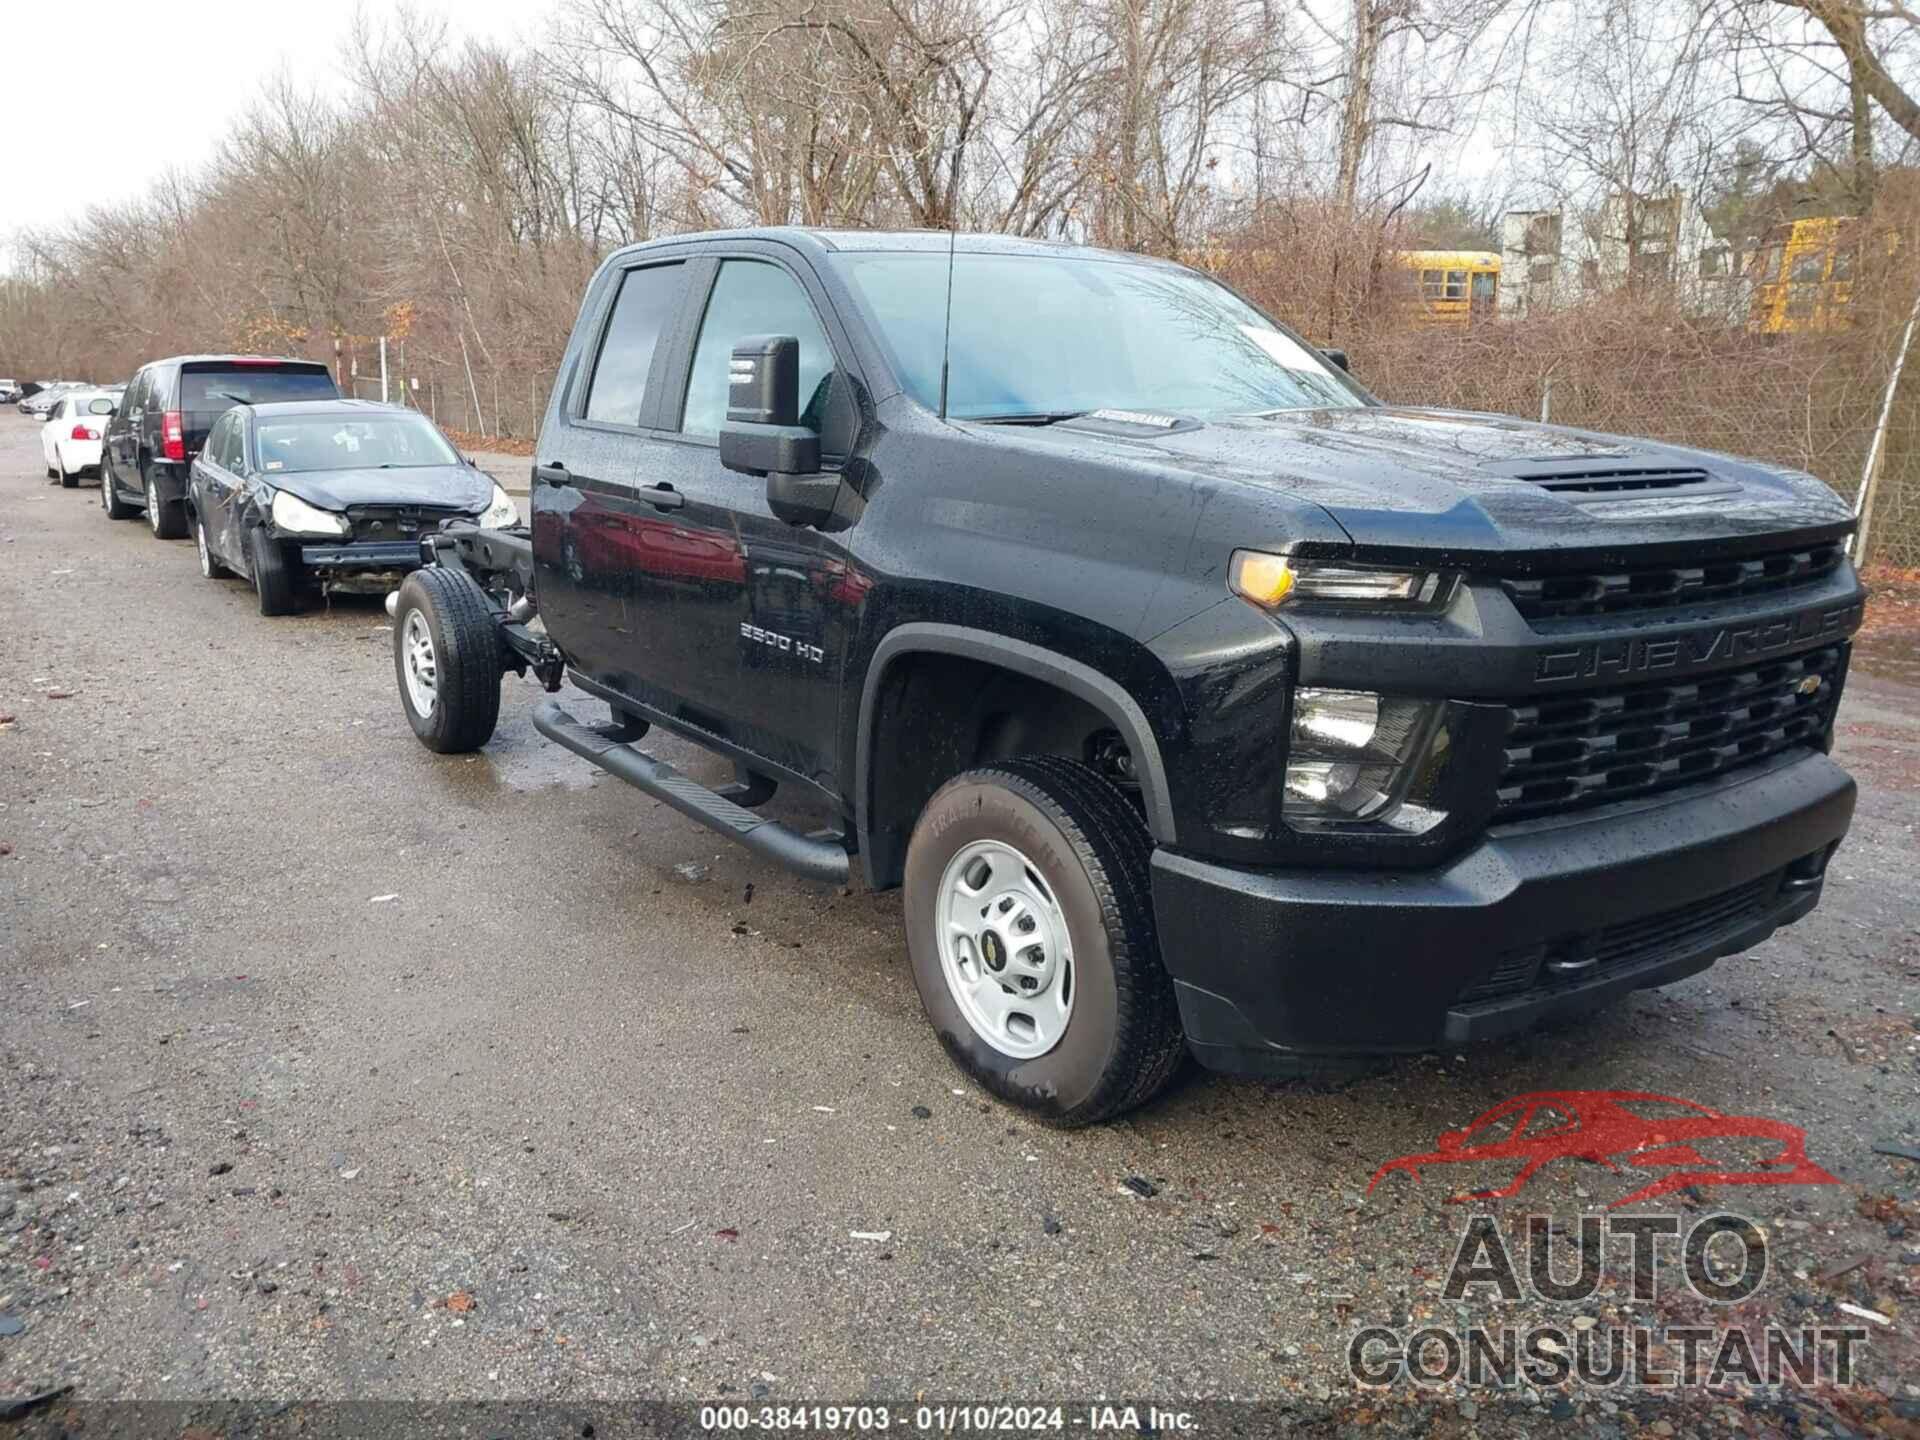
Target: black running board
{"type": "Point", "coordinates": [824, 860]}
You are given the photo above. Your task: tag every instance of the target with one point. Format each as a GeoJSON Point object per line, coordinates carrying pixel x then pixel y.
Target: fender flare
{"type": "Point", "coordinates": [1081, 680]}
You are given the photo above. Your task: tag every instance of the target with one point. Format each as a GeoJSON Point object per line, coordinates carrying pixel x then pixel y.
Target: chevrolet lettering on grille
{"type": "Point", "coordinates": [1608, 659]}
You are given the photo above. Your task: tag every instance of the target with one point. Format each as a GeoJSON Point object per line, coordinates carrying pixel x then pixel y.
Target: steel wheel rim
{"type": "Point", "coordinates": [419, 665]}
{"type": "Point", "coordinates": [153, 506]}
{"type": "Point", "coordinates": [1005, 950]}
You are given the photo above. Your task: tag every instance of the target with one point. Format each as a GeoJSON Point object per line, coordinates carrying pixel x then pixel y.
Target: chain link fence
{"type": "Point", "coordinates": [509, 406]}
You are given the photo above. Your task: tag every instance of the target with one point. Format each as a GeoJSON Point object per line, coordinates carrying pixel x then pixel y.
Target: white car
{"type": "Point", "coordinates": [70, 438]}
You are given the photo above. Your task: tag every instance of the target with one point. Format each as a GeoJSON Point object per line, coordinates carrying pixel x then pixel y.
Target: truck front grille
{"type": "Point", "coordinates": [1664, 587]}
{"type": "Point", "coordinates": [1629, 945]}
{"type": "Point", "coordinates": [1574, 751]}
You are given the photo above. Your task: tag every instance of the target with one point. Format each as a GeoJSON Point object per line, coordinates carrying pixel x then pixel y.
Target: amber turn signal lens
{"type": "Point", "coordinates": [1263, 579]}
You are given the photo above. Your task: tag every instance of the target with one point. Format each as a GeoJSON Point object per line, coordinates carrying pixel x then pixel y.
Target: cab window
{"type": "Point", "coordinates": [644, 308]}
{"type": "Point", "coordinates": [753, 297]}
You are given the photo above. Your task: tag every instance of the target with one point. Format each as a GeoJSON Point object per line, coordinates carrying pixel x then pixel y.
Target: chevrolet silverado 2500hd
{"type": "Point", "coordinates": [1200, 702]}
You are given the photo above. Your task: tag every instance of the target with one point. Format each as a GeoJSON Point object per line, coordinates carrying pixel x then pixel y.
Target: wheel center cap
{"type": "Point", "coordinates": [992, 952]}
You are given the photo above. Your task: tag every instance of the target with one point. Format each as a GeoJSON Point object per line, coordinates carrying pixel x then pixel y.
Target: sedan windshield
{"type": "Point", "coordinates": [351, 442]}
{"type": "Point", "coordinates": [1041, 337]}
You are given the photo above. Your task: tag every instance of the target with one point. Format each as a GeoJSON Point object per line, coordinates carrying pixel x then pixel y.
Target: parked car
{"type": "Point", "coordinates": [170, 406]}
{"type": "Point", "coordinates": [9, 392]}
{"type": "Point", "coordinates": [328, 493]}
{"type": "Point", "coordinates": [70, 440]}
{"type": "Point", "coordinates": [41, 402]}
{"type": "Point", "coordinates": [1199, 701]}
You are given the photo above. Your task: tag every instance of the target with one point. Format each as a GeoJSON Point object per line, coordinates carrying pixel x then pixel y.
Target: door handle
{"type": "Point", "coordinates": [663, 497]}
{"type": "Point", "coordinates": [552, 474]}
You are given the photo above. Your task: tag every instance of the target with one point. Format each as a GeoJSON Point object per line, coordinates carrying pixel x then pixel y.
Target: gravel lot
{"type": "Point", "coordinates": [332, 1068]}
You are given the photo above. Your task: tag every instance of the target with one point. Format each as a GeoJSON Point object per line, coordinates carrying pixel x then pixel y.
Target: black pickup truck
{"type": "Point", "coordinates": [1200, 702]}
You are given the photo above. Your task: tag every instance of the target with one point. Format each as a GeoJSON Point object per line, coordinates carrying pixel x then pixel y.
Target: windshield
{"type": "Point", "coordinates": [1053, 335]}
{"type": "Point", "coordinates": [252, 385]}
{"type": "Point", "coordinates": [351, 442]}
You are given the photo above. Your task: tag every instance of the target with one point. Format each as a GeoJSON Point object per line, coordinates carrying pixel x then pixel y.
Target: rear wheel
{"type": "Point", "coordinates": [110, 501]}
{"type": "Point", "coordinates": [1030, 927]}
{"type": "Point", "coordinates": [446, 656]}
{"type": "Point", "coordinates": [68, 479]}
{"type": "Point", "coordinates": [209, 567]}
{"type": "Point", "coordinates": [168, 518]}
{"type": "Point", "coordinates": [275, 578]}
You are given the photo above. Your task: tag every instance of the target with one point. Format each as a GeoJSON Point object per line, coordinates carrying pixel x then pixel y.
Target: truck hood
{"type": "Point", "coordinates": [1451, 483]}
{"type": "Point", "coordinates": [457, 487]}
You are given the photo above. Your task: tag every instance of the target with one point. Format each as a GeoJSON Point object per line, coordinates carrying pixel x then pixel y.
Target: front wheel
{"type": "Point", "coordinates": [275, 579]}
{"type": "Point", "coordinates": [1030, 928]}
{"type": "Point", "coordinates": [446, 656]}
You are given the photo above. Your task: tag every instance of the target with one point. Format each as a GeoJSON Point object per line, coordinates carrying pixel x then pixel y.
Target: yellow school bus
{"type": "Point", "coordinates": [1450, 287]}
{"type": "Point", "coordinates": [1804, 273]}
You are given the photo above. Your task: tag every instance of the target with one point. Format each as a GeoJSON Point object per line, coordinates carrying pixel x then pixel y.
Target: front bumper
{"type": "Point", "coordinates": [362, 555]}
{"type": "Point", "coordinates": [1274, 968]}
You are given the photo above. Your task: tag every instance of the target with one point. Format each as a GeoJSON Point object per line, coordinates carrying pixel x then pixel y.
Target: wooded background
{"type": "Point", "coordinates": [455, 197]}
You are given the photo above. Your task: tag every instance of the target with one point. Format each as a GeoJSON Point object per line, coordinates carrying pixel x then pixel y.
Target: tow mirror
{"type": "Point", "coordinates": [763, 434]}
{"type": "Point", "coordinates": [1337, 358]}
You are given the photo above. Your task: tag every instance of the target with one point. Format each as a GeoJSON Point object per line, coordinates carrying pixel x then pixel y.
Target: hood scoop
{"type": "Point", "coordinates": [1618, 480]}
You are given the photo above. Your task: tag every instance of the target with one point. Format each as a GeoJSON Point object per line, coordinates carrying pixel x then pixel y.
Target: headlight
{"type": "Point", "coordinates": [1273, 580]}
{"type": "Point", "coordinates": [296, 517]}
{"type": "Point", "coordinates": [1356, 760]}
{"type": "Point", "coordinates": [502, 513]}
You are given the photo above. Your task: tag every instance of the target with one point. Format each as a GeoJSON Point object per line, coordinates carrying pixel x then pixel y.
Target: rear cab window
{"type": "Point", "coordinates": [644, 310]}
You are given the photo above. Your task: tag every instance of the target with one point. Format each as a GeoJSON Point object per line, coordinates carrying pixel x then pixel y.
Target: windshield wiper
{"type": "Point", "coordinates": [1037, 417]}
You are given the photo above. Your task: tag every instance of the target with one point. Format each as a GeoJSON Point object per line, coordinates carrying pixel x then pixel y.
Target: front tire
{"type": "Point", "coordinates": [446, 656]}
{"type": "Point", "coordinates": [274, 578]}
{"type": "Point", "coordinates": [168, 518]}
{"type": "Point", "coordinates": [1030, 928]}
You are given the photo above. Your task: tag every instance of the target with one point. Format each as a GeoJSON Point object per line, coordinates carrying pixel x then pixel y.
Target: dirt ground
{"type": "Point", "coordinates": [330, 1068]}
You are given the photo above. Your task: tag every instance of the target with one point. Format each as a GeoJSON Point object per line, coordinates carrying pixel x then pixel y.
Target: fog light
{"type": "Point", "coordinates": [1359, 759]}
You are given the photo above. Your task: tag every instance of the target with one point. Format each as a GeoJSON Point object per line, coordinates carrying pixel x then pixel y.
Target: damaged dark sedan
{"type": "Point", "coordinates": [327, 496]}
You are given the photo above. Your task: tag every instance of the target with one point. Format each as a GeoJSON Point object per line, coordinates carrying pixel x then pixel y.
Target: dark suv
{"type": "Point", "coordinates": [163, 421]}
{"type": "Point", "coordinates": [1199, 701]}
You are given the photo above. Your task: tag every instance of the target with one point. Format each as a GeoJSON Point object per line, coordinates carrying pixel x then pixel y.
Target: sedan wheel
{"type": "Point", "coordinates": [153, 506]}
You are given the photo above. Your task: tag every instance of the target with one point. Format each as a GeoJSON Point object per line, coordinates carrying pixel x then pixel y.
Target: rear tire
{"type": "Point", "coordinates": [211, 568]}
{"type": "Point", "coordinates": [447, 660]}
{"type": "Point", "coordinates": [110, 501]}
{"type": "Point", "coordinates": [167, 517]}
{"type": "Point", "coordinates": [1057, 840]}
{"type": "Point", "coordinates": [68, 480]}
{"type": "Point", "coordinates": [274, 577]}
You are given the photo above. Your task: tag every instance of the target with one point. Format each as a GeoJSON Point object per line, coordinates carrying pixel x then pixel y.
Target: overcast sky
{"type": "Point", "coordinates": [130, 89]}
